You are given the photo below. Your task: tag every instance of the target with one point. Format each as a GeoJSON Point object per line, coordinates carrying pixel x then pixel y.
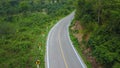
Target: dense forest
{"type": "Point", "coordinates": [24, 25]}
{"type": "Point", "coordinates": [100, 21]}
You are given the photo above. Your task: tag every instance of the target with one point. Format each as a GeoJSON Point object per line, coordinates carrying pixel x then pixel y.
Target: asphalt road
{"type": "Point", "coordinates": [60, 51]}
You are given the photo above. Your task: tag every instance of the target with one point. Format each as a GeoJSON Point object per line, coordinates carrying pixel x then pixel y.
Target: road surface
{"type": "Point", "coordinates": [60, 51]}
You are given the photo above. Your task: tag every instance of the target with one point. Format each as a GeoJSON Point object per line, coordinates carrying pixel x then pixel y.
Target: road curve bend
{"type": "Point", "coordinates": [60, 51]}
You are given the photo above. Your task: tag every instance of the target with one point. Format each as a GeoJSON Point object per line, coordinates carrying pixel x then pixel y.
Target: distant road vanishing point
{"type": "Point", "coordinates": [60, 51]}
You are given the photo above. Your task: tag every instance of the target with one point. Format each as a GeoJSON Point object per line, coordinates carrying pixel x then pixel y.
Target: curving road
{"type": "Point", "coordinates": [60, 51]}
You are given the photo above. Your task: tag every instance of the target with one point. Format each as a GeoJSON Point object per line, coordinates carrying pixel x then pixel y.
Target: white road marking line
{"type": "Point", "coordinates": [80, 60]}
{"type": "Point", "coordinates": [48, 38]}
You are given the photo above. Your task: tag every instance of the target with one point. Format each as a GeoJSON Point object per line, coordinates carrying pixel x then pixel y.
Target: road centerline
{"type": "Point", "coordinates": [57, 55]}
{"type": "Point", "coordinates": [66, 65]}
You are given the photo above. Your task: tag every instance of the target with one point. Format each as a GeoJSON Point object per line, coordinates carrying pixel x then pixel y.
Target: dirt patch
{"type": "Point", "coordinates": [77, 26]}
{"type": "Point", "coordinates": [86, 51]}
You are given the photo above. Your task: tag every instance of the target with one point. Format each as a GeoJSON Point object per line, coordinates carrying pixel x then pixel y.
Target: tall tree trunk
{"type": "Point", "coordinates": [99, 12]}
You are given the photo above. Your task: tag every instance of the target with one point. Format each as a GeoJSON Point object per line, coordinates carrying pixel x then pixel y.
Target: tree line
{"type": "Point", "coordinates": [19, 6]}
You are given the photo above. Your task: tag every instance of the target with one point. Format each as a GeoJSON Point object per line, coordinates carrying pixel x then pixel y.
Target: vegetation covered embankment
{"type": "Point", "coordinates": [99, 30]}
{"type": "Point", "coordinates": [24, 25]}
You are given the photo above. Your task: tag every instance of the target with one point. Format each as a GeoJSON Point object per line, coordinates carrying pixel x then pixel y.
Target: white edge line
{"type": "Point", "coordinates": [48, 66]}
{"type": "Point", "coordinates": [78, 56]}
{"type": "Point", "coordinates": [48, 38]}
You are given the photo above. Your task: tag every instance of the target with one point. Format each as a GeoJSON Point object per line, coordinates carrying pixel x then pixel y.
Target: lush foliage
{"type": "Point", "coordinates": [105, 37]}
{"type": "Point", "coordinates": [24, 25]}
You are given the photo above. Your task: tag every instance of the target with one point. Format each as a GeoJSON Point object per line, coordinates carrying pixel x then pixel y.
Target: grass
{"type": "Point", "coordinates": [23, 43]}
{"type": "Point", "coordinates": [20, 47]}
